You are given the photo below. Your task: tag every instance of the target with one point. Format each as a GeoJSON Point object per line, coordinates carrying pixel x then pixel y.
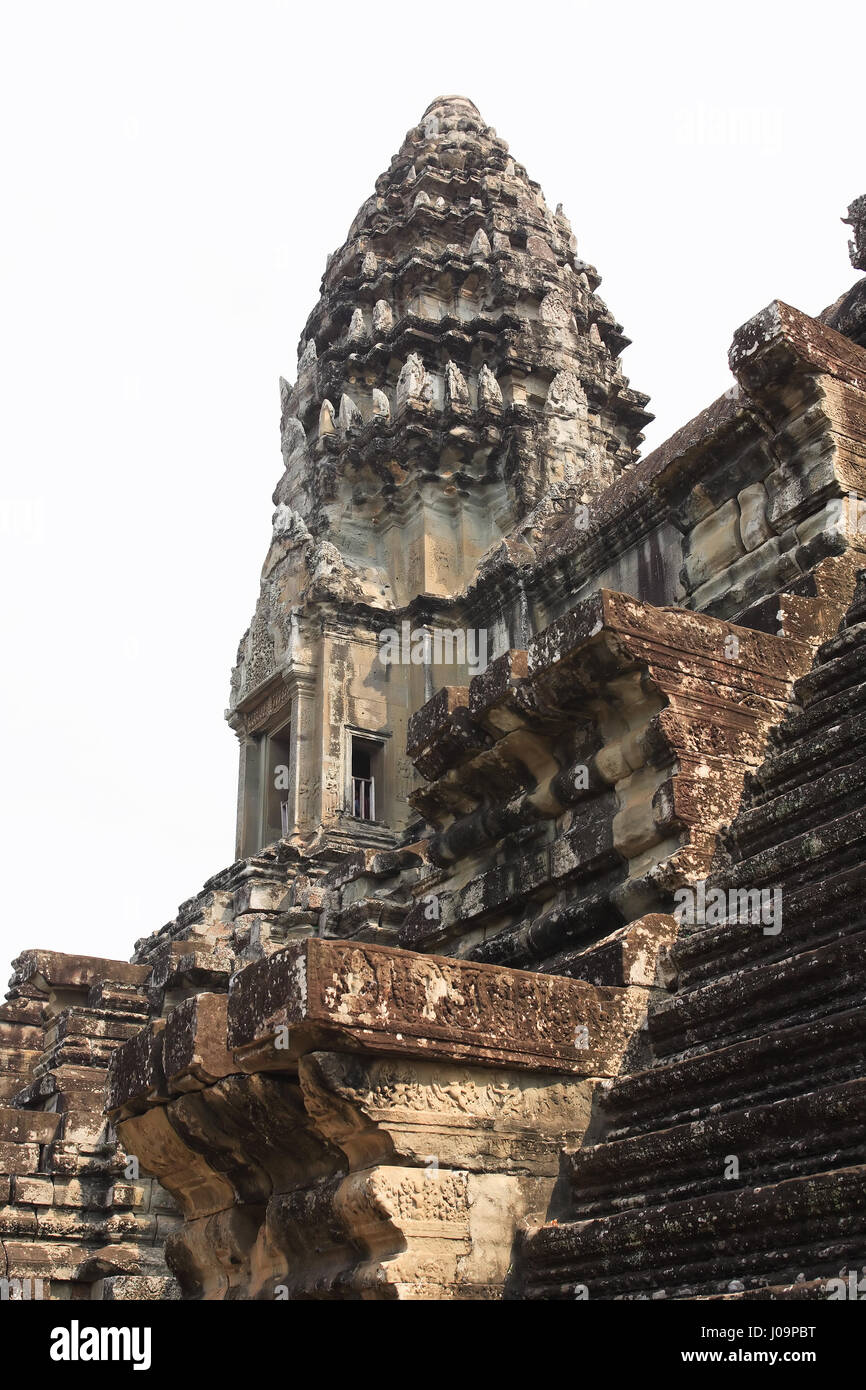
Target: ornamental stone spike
{"type": "Point", "coordinates": [456, 390]}
{"type": "Point", "coordinates": [480, 247]}
{"type": "Point", "coordinates": [326, 419]}
{"type": "Point", "coordinates": [489, 391]}
{"type": "Point", "coordinates": [414, 382]}
{"type": "Point", "coordinates": [383, 318]}
{"type": "Point", "coordinates": [350, 416]}
{"type": "Point", "coordinates": [857, 219]}
{"type": "Point", "coordinates": [357, 328]}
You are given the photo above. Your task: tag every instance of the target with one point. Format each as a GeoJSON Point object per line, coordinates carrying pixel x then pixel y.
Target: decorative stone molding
{"type": "Point", "coordinates": [419, 1150]}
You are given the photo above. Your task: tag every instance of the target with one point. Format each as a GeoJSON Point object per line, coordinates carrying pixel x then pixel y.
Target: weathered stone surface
{"type": "Point", "coordinates": [508, 691]}
{"type": "Point", "coordinates": [739, 1153]}
{"type": "Point", "coordinates": [384, 1000]}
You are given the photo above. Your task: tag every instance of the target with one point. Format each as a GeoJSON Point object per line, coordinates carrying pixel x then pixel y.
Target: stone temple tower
{"type": "Point", "coordinates": [458, 384]}
{"type": "Point", "coordinates": [497, 977]}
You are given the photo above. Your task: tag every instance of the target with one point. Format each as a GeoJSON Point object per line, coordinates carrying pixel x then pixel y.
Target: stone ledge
{"type": "Point", "coordinates": [378, 999]}
{"type": "Point", "coordinates": [59, 970]}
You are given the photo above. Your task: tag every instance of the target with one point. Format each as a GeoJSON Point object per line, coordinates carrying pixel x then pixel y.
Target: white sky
{"type": "Point", "coordinates": [173, 176]}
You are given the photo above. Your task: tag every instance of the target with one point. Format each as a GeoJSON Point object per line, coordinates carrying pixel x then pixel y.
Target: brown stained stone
{"type": "Point", "coordinates": [136, 1069]}
{"type": "Point", "coordinates": [380, 999]}
{"type": "Point", "coordinates": [779, 330]}
{"type": "Point", "coordinates": [638, 812]}
{"type": "Point", "coordinates": [18, 1157]}
{"type": "Point", "coordinates": [426, 721]}
{"type": "Point", "coordinates": [23, 1126]}
{"type": "Point", "coordinates": [58, 970]}
{"type": "Point", "coordinates": [759, 1052]}
{"type": "Point", "coordinates": [194, 1047]}
{"type": "Point", "coordinates": [154, 1142]}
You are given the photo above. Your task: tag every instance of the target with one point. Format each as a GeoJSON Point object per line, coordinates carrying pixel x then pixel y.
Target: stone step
{"type": "Point", "coordinates": [806, 725]}
{"type": "Point", "coordinates": [812, 915]}
{"type": "Point", "coordinates": [801, 807]}
{"type": "Point", "coordinates": [812, 1225]}
{"type": "Point", "coordinates": [812, 984]}
{"type": "Point", "coordinates": [804, 857]}
{"type": "Point", "coordinates": [839, 667]}
{"type": "Point", "coordinates": [751, 1072]}
{"type": "Point", "coordinates": [789, 767]}
{"type": "Point", "coordinates": [787, 1138]}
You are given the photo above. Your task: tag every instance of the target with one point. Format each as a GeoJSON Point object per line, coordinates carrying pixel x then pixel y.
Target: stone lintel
{"type": "Point", "coordinates": [59, 970]}
{"type": "Point", "coordinates": [646, 630]}
{"type": "Point", "coordinates": [382, 1000]}
{"type": "Point", "coordinates": [783, 335]}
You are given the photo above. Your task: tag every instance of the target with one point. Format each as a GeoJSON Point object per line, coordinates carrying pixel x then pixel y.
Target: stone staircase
{"type": "Point", "coordinates": [735, 1165]}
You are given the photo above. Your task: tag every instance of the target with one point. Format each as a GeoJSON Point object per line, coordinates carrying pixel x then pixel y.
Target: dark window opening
{"type": "Point", "coordinates": [277, 822]}
{"type": "Point", "coordinates": [365, 774]}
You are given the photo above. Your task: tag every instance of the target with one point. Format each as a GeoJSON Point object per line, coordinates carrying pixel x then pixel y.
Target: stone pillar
{"type": "Point", "coordinates": [303, 811]}
{"type": "Point", "coordinates": [249, 794]}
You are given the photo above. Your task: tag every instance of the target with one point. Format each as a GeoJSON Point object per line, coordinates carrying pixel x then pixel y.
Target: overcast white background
{"type": "Point", "coordinates": [172, 178]}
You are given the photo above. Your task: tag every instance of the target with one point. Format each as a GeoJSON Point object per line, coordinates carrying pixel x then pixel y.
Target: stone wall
{"type": "Point", "coordinates": [733, 1166]}
{"type": "Point", "coordinates": [77, 1220]}
{"type": "Point", "coordinates": [348, 1066]}
{"type": "Point", "coordinates": [359, 1122]}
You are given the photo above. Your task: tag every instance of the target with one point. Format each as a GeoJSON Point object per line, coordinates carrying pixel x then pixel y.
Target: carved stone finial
{"type": "Point", "coordinates": [422, 200]}
{"type": "Point", "coordinates": [383, 318]}
{"type": "Point", "coordinates": [555, 309]}
{"type": "Point", "coordinates": [480, 247]}
{"type": "Point", "coordinates": [350, 416]}
{"type": "Point", "coordinates": [293, 434]}
{"type": "Point", "coordinates": [566, 394]}
{"type": "Point", "coordinates": [489, 391]}
{"type": "Point", "coordinates": [326, 419]}
{"type": "Point", "coordinates": [857, 219]}
{"type": "Point", "coordinates": [369, 265]}
{"type": "Point", "coordinates": [414, 382]}
{"type": "Point", "coordinates": [381, 405]}
{"type": "Point", "coordinates": [293, 438]}
{"type": "Point", "coordinates": [456, 390]}
{"type": "Point", "coordinates": [308, 357]}
{"type": "Point", "coordinates": [357, 327]}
